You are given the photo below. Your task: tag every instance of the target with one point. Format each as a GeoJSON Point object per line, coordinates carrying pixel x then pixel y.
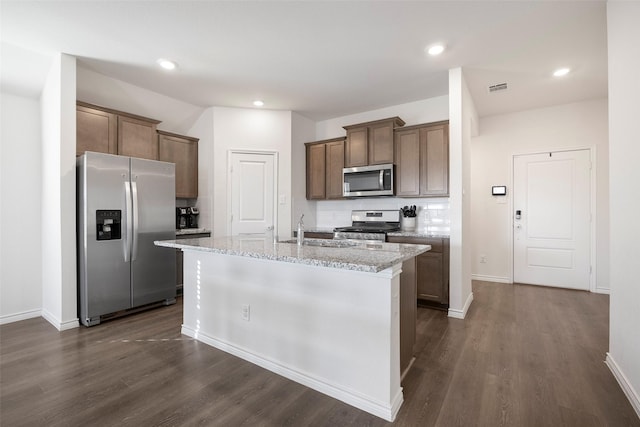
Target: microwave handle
{"type": "Point", "coordinates": [381, 180]}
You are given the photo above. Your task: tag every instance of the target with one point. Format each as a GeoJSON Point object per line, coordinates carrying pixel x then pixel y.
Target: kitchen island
{"type": "Point", "coordinates": [325, 314]}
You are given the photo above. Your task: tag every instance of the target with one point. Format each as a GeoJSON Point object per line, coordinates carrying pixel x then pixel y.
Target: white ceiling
{"type": "Point", "coordinates": [322, 59]}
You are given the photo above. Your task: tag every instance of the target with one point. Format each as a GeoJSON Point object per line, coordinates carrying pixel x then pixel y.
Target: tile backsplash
{"type": "Point", "coordinates": [433, 213]}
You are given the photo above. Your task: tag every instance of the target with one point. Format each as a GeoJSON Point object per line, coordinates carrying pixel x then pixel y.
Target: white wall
{"type": "Point", "coordinates": [462, 124]}
{"type": "Point", "coordinates": [413, 113]}
{"type": "Point", "coordinates": [624, 152]}
{"type": "Point", "coordinates": [302, 130]}
{"type": "Point", "coordinates": [203, 127]}
{"type": "Point", "coordinates": [571, 126]}
{"type": "Point", "coordinates": [250, 129]}
{"type": "Point", "coordinates": [176, 116]}
{"type": "Point", "coordinates": [20, 207]}
{"type": "Point", "coordinates": [58, 221]}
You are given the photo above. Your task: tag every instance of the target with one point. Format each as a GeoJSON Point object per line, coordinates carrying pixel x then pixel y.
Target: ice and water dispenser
{"type": "Point", "coordinates": [108, 223]}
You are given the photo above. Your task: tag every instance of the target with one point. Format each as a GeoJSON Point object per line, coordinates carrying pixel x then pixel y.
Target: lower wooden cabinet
{"type": "Point", "coordinates": [408, 313]}
{"type": "Point", "coordinates": [432, 270]}
{"type": "Point", "coordinates": [183, 151]}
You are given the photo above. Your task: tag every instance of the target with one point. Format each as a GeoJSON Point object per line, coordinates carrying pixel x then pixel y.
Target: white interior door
{"type": "Point", "coordinates": [552, 219]}
{"type": "Point", "coordinates": [252, 178]}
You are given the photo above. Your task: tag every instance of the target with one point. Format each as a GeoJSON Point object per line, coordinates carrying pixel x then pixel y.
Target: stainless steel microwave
{"type": "Point", "coordinates": [364, 181]}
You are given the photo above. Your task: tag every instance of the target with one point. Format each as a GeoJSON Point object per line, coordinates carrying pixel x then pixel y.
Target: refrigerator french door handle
{"type": "Point", "coordinates": [128, 235]}
{"type": "Point", "coordinates": [134, 193]}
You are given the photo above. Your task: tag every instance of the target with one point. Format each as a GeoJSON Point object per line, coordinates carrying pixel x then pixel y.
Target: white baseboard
{"type": "Point", "coordinates": [496, 279]}
{"type": "Point", "coordinates": [16, 317]}
{"type": "Point", "coordinates": [59, 324]}
{"type": "Point", "coordinates": [380, 409]}
{"type": "Point", "coordinates": [626, 386]}
{"type": "Point", "coordinates": [605, 291]}
{"type": "Point", "coordinates": [460, 314]}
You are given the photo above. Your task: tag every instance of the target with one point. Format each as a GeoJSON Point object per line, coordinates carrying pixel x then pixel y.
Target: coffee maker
{"type": "Point", "coordinates": [192, 217]}
{"type": "Point", "coordinates": [182, 218]}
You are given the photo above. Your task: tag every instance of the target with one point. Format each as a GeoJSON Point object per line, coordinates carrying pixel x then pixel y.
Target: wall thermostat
{"type": "Point", "coordinates": [499, 190]}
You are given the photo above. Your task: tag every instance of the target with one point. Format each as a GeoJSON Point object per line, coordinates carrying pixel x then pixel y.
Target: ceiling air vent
{"type": "Point", "coordinates": [497, 87]}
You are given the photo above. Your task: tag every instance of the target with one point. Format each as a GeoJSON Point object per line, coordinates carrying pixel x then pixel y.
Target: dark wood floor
{"type": "Point", "coordinates": [525, 356]}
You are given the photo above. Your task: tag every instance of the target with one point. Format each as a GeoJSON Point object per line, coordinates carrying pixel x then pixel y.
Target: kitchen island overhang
{"type": "Point", "coordinates": [325, 317]}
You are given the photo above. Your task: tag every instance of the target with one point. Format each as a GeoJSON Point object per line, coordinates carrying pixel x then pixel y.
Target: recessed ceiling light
{"type": "Point", "coordinates": [258, 103]}
{"type": "Point", "coordinates": [166, 64]}
{"type": "Point", "coordinates": [436, 49]}
{"type": "Point", "coordinates": [561, 72]}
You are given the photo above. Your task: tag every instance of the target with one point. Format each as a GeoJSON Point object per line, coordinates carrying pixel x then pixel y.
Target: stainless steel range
{"type": "Point", "coordinates": [369, 225]}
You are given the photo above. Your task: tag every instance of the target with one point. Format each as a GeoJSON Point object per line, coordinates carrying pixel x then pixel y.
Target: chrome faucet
{"type": "Point", "coordinates": [300, 231]}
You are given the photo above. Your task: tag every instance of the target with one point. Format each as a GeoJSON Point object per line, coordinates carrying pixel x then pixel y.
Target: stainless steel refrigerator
{"type": "Point", "coordinates": [124, 204]}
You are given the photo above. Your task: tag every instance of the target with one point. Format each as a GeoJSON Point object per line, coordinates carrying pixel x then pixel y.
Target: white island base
{"type": "Point", "coordinates": [333, 330]}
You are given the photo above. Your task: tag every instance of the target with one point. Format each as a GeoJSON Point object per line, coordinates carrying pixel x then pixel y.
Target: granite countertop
{"type": "Point", "coordinates": [348, 255]}
{"type": "Point", "coordinates": [183, 231]}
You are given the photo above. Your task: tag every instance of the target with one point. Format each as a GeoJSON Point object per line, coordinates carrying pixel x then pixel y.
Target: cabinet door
{"type": "Point", "coordinates": [137, 138]}
{"type": "Point", "coordinates": [95, 131]}
{"type": "Point", "coordinates": [408, 312]}
{"type": "Point", "coordinates": [430, 277]}
{"type": "Point", "coordinates": [184, 153]}
{"type": "Point", "coordinates": [316, 172]}
{"type": "Point", "coordinates": [408, 163]}
{"type": "Point", "coordinates": [381, 144]}
{"type": "Point", "coordinates": [434, 161]}
{"type": "Point", "coordinates": [356, 148]}
{"type": "Point", "coordinates": [334, 166]}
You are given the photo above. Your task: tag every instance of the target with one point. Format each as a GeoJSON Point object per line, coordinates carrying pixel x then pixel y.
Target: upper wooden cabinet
{"type": "Point", "coordinates": [316, 171]}
{"type": "Point", "coordinates": [137, 138]}
{"type": "Point", "coordinates": [407, 148]}
{"type": "Point", "coordinates": [96, 130]}
{"type": "Point", "coordinates": [434, 160]}
{"type": "Point", "coordinates": [183, 151]}
{"type": "Point", "coordinates": [325, 161]}
{"type": "Point", "coordinates": [422, 160]}
{"type": "Point", "coordinates": [356, 151]}
{"type": "Point", "coordinates": [371, 143]}
{"type": "Point", "coordinates": [110, 131]}
{"type": "Point", "coordinates": [334, 165]}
